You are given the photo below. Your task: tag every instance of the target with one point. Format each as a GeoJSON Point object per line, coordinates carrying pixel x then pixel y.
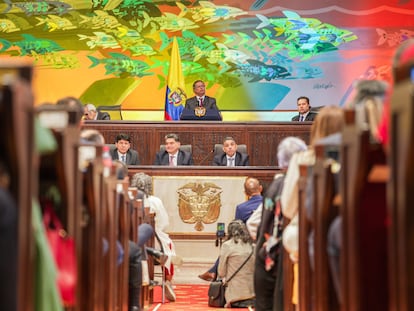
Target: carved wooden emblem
{"type": "Point", "coordinates": [199, 203]}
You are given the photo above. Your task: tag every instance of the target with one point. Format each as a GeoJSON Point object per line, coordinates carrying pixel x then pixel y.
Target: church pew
{"type": "Point", "coordinates": [364, 257]}
{"type": "Point", "coordinates": [18, 152]}
{"type": "Point", "coordinates": [400, 192]}
{"type": "Point", "coordinates": [92, 294]}
{"type": "Point", "coordinates": [322, 214]}
{"type": "Point", "coordinates": [287, 277]}
{"type": "Point", "coordinates": [60, 169]}
{"type": "Point", "coordinates": [305, 279]}
{"type": "Point", "coordinates": [261, 138]}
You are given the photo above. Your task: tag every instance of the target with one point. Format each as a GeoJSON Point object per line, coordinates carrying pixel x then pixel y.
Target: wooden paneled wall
{"type": "Point", "coordinates": [261, 138]}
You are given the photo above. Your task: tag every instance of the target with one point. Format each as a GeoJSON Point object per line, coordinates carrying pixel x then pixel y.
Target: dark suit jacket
{"type": "Point", "coordinates": [183, 158]}
{"type": "Point", "coordinates": [245, 210]}
{"type": "Point", "coordinates": [310, 117]}
{"type": "Point", "coordinates": [208, 103]}
{"type": "Point", "coordinates": [131, 156]}
{"type": "Point", "coordinates": [103, 116]}
{"type": "Point", "coordinates": [242, 159]}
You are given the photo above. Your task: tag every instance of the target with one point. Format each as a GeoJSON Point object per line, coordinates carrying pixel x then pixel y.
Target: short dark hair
{"type": "Point", "coordinates": [228, 138]}
{"type": "Point", "coordinates": [196, 81]}
{"type": "Point", "coordinates": [173, 136]}
{"type": "Point", "coordinates": [303, 97]}
{"type": "Point", "coordinates": [123, 136]}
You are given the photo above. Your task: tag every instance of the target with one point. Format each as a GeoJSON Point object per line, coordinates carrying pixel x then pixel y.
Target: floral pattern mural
{"type": "Point", "coordinates": [253, 55]}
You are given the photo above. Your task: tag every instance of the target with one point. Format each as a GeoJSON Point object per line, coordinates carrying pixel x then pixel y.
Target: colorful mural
{"type": "Point", "coordinates": [254, 55]}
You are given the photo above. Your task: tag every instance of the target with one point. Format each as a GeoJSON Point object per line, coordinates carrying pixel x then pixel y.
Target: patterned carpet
{"type": "Point", "coordinates": [189, 297]}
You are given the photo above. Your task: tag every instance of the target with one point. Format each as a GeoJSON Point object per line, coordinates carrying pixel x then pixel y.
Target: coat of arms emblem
{"type": "Point", "coordinates": [199, 203]}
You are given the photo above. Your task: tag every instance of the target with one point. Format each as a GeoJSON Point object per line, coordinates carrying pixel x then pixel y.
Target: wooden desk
{"type": "Point", "coordinates": [261, 138]}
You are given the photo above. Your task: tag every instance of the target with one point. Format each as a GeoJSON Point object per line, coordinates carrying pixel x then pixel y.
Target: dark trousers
{"type": "Point", "coordinates": [135, 276]}
{"type": "Point", "coordinates": [268, 286]}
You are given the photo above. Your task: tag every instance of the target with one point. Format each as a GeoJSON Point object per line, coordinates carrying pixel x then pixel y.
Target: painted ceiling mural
{"type": "Point", "coordinates": [254, 55]}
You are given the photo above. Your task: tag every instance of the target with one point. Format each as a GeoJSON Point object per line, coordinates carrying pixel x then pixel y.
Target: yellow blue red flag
{"type": "Point", "coordinates": [175, 94]}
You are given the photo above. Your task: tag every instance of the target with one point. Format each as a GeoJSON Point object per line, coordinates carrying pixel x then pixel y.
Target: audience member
{"type": "Point", "coordinates": [329, 121]}
{"type": "Point", "coordinates": [137, 253]}
{"type": "Point", "coordinates": [236, 266]}
{"type": "Point", "coordinates": [172, 155]}
{"type": "Point", "coordinates": [253, 189]}
{"type": "Point", "coordinates": [305, 114]}
{"type": "Point", "coordinates": [268, 274]}
{"type": "Point", "coordinates": [143, 182]}
{"type": "Point", "coordinates": [123, 151]}
{"type": "Point", "coordinates": [92, 114]}
{"type": "Point", "coordinates": [231, 157]}
{"type": "Point", "coordinates": [200, 99]}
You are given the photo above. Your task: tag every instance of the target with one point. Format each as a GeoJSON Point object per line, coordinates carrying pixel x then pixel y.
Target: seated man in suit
{"type": "Point", "coordinates": [200, 99]}
{"type": "Point", "coordinates": [304, 110]}
{"type": "Point", "coordinates": [172, 155]}
{"type": "Point", "coordinates": [231, 157]}
{"type": "Point", "coordinates": [123, 151]}
{"type": "Point", "coordinates": [92, 114]}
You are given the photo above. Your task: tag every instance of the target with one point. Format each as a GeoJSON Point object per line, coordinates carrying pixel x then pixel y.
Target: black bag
{"type": "Point", "coordinates": [216, 294]}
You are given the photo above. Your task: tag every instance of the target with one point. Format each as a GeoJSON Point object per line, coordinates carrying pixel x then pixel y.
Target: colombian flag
{"type": "Point", "coordinates": [175, 95]}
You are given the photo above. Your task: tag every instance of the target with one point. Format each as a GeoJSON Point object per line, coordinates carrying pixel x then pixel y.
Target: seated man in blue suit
{"type": "Point", "coordinates": [172, 155]}
{"type": "Point", "coordinates": [231, 157]}
{"type": "Point", "coordinates": [253, 190]}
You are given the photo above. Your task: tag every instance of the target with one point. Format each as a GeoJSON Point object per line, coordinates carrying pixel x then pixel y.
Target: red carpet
{"type": "Point", "coordinates": [189, 297]}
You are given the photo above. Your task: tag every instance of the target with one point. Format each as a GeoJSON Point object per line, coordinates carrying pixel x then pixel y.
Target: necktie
{"type": "Point", "coordinates": [201, 102]}
{"type": "Point", "coordinates": [172, 160]}
{"type": "Point", "coordinates": [123, 158]}
{"type": "Point", "coordinates": [231, 161]}
{"type": "Point", "coordinates": [301, 118]}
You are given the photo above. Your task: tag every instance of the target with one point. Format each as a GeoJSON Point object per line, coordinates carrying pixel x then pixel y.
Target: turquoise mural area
{"type": "Point", "coordinates": [254, 55]}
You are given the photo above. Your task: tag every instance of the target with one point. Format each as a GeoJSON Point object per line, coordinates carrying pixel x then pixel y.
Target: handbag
{"type": "Point", "coordinates": [217, 289]}
{"type": "Point", "coordinates": [216, 294]}
{"type": "Point", "coordinates": [63, 250]}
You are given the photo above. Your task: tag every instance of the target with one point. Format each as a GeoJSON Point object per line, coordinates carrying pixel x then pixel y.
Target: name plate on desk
{"type": "Point", "coordinates": [201, 114]}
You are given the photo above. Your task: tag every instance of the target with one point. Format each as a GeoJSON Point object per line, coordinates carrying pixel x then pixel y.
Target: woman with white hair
{"type": "Point", "coordinates": [143, 182]}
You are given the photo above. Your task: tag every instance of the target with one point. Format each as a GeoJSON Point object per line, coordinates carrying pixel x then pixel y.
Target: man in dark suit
{"type": "Point", "coordinates": [92, 114]}
{"type": "Point", "coordinates": [304, 107]}
{"type": "Point", "coordinates": [200, 99]}
{"type": "Point", "coordinates": [123, 151]}
{"type": "Point", "coordinates": [253, 189]}
{"type": "Point", "coordinates": [231, 157]}
{"type": "Point", "coordinates": [172, 155]}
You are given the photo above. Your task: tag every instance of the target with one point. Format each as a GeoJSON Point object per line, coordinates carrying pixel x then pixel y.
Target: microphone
{"type": "Point", "coordinates": [206, 157]}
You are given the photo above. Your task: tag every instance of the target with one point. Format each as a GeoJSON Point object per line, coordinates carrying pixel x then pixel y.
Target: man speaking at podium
{"type": "Point", "coordinates": [201, 106]}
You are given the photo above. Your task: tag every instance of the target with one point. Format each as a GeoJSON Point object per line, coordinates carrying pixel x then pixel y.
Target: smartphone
{"type": "Point", "coordinates": [220, 230]}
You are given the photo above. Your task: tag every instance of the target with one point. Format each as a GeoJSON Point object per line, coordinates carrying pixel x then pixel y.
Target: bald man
{"type": "Point", "coordinates": [253, 190]}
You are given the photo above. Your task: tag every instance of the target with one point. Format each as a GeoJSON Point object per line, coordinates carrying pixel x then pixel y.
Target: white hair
{"type": "Point", "coordinates": [287, 147]}
{"type": "Point", "coordinates": [90, 107]}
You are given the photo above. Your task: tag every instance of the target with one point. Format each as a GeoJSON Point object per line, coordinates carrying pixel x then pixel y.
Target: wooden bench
{"type": "Point", "coordinates": [323, 213]}
{"type": "Point", "coordinates": [18, 152]}
{"type": "Point", "coordinates": [400, 190]}
{"type": "Point", "coordinates": [364, 256]}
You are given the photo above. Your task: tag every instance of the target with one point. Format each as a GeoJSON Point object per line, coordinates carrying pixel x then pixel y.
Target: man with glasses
{"type": "Point", "coordinates": [92, 114]}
